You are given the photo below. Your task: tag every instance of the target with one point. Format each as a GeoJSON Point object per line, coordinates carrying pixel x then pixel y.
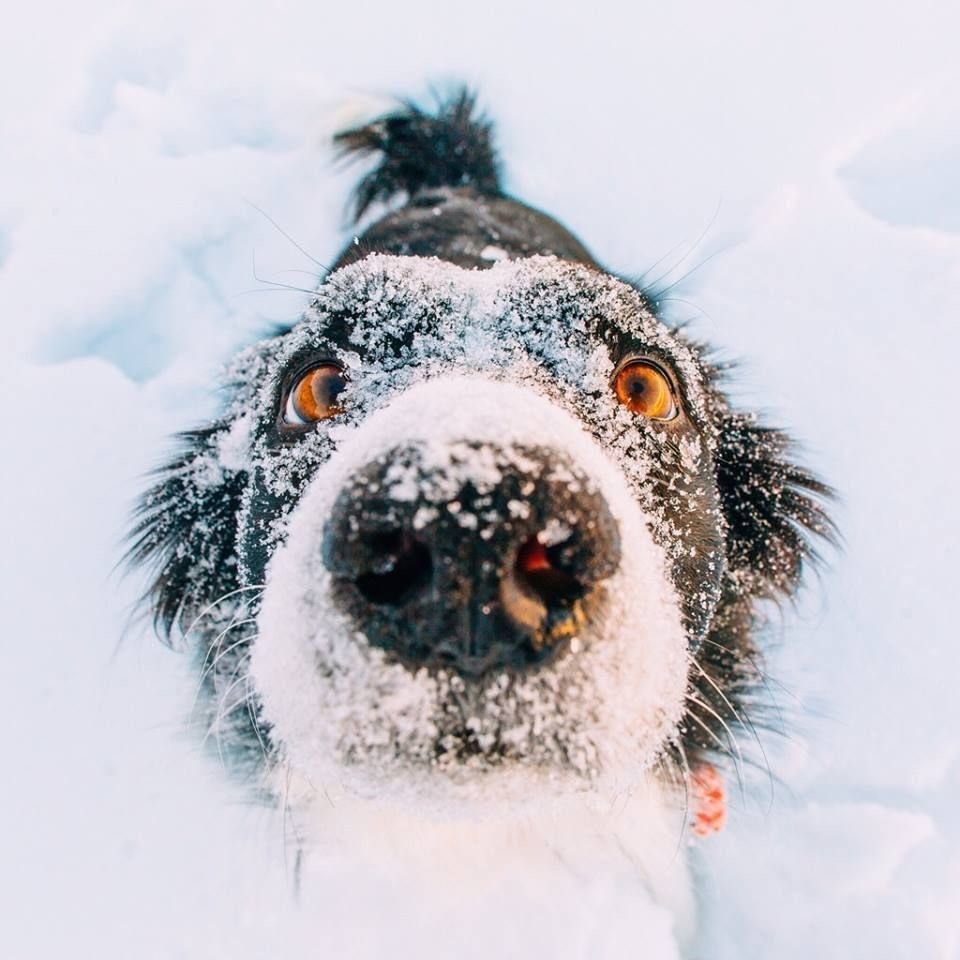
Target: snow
{"type": "Point", "coordinates": [819, 144]}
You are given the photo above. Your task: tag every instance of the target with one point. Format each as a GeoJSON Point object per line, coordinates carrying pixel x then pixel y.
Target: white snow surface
{"type": "Point", "coordinates": [802, 157]}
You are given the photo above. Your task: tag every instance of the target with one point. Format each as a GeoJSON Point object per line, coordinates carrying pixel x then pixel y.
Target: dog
{"type": "Point", "coordinates": [474, 560]}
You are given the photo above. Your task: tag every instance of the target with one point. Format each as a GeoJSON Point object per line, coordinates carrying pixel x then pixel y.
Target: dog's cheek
{"type": "Point", "coordinates": [698, 552]}
{"type": "Point", "coordinates": [262, 527]}
{"type": "Point", "coordinates": [278, 479]}
{"type": "Point", "coordinates": [673, 481]}
{"type": "Point", "coordinates": [256, 522]}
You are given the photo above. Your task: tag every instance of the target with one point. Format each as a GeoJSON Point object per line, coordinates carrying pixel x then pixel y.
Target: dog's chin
{"type": "Point", "coordinates": [428, 743]}
{"type": "Point", "coordinates": [432, 741]}
{"type": "Point", "coordinates": [468, 791]}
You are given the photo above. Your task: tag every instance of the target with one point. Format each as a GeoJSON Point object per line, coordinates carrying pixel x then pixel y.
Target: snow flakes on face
{"type": "Point", "coordinates": [559, 327]}
{"type": "Point", "coordinates": [439, 357]}
{"type": "Point", "coordinates": [343, 711]}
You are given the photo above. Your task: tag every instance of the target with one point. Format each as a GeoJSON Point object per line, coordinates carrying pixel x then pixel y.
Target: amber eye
{"type": "Point", "coordinates": [314, 395]}
{"type": "Point", "coordinates": [642, 387]}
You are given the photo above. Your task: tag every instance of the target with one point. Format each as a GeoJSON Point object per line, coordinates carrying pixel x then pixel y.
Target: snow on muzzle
{"type": "Point", "coordinates": [474, 528]}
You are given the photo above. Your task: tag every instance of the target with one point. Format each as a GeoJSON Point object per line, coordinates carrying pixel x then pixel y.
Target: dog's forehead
{"type": "Point", "coordinates": [381, 305]}
{"type": "Point", "coordinates": [405, 316]}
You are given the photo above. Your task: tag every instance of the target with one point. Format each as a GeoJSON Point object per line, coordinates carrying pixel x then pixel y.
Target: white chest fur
{"type": "Point", "coordinates": [582, 877]}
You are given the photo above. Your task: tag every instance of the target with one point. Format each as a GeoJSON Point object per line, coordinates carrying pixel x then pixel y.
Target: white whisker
{"type": "Point", "coordinates": [208, 668]}
{"type": "Point", "coordinates": [738, 757]}
{"type": "Point", "coordinates": [224, 709]}
{"type": "Point", "coordinates": [210, 607]}
{"type": "Point", "coordinates": [743, 721]}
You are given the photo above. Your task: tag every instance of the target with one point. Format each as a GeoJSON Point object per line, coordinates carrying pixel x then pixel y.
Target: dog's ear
{"type": "Point", "coordinates": [185, 530]}
{"type": "Point", "coordinates": [774, 509]}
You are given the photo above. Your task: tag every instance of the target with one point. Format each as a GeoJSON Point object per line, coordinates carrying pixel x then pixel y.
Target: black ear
{"type": "Point", "coordinates": [773, 507]}
{"type": "Point", "coordinates": [185, 531]}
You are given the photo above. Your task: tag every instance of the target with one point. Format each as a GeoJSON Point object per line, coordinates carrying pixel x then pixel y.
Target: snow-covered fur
{"type": "Point", "coordinates": [424, 693]}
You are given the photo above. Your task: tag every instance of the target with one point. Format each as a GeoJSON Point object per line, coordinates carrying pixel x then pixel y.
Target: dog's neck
{"type": "Point", "coordinates": [558, 881]}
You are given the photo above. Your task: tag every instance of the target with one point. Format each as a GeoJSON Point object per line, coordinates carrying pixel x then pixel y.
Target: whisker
{"type": "Point", "coordinates": [289, 826]}
{"type": "Point", "coordinates": [743, 721]}
{"type": "Point", "coordinates": [683, 768]}
{"type": "Point", "coordinates": [254, 722]}
{"type": "Point", "coordinates": [765, 678]}
{"type": "Point", "coordinates": [738, 757]}
{"type": "Point", "coordinates": [207, 610]}
{"type": "Point", "coordinates": [216, 642]}
{"type": "Point", "coordinates": [306, 273]}
{"type": "Point", "coordinates": [263, 213]}
{"type": "Point", "coordinates": [687, 303]}
{"type": "Point", "coordinates": [696, 243]}
{"type": "Point", "coordinates": [686, 276]}
{"type": "Point", "coordinates": [224, 709]}
{"type": "Point", "coordinates": [277, 285]}
{"type": "Point", "coordinates": [245, 639]}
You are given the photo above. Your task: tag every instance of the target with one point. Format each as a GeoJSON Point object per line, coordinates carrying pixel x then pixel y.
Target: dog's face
{"type": "Point", "coordinates": [477, 502]}
{"type": "Point", "coordinates": [465, 529]}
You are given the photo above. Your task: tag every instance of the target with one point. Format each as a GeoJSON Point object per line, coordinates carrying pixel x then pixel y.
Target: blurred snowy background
{"type": "Point", "coordinates": [817, 147]}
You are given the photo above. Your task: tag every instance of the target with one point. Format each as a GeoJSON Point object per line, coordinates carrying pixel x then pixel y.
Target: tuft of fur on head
{"type": "Point", "coordinates": [417, 151]}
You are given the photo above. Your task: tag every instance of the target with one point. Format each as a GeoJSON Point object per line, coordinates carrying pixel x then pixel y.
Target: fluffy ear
{"type": "Point", "coordinates": [185, 531]}
{"type": "Point", "coordinates": [773, 507]}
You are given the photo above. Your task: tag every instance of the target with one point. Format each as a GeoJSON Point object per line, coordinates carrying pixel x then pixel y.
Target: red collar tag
{"type": "Point", "coordinates": [708, 800]}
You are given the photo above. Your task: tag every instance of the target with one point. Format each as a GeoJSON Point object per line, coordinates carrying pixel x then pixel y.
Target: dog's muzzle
{"type": "Point", "coordinates": [493, 559]}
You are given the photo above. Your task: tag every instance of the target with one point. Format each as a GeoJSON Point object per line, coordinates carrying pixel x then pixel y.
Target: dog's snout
{"type": "Point", "coordinates": [471, 568]}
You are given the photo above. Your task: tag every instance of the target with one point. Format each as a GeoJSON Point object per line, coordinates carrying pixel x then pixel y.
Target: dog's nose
{"type": "Point", "coordinates": [493, 559]}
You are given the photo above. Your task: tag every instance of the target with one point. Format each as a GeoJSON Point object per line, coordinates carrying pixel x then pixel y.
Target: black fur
{"type": "Point", "coordinates": [418, 151]}
{"type": "Point", "coordinates": [185, 532]}
{"type": "Point", "coordinates": [456, 209]}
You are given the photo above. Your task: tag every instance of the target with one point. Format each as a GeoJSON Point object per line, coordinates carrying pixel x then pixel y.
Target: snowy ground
{"type": "Point", "coordinates": [821, 145]}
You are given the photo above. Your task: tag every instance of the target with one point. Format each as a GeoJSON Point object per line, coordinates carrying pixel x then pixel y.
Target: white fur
{"type": "Point", "coordinates": [580, 877]}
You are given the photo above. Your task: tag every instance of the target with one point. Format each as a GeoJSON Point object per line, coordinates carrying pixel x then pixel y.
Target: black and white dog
{"type": "Point", "coordinates": [474, 558]}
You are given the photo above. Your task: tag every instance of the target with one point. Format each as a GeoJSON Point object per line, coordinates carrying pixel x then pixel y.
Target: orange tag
{"type": "Point", "coordinates": [708, 800]}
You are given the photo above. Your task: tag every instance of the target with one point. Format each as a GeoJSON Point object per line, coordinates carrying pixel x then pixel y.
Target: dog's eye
{"type": "Point", "coordinates": [642, 387]}
{"type": "Point", "coordinates": [314, 396]}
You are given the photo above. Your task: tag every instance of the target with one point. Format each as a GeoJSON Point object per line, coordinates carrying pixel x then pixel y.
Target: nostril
{"type": "Point", "coordinates": [401, 566]}
{"type": "Point", "coordinates": [544, 570]}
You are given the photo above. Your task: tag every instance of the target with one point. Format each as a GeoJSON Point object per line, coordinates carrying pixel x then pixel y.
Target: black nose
{"type": "Point", "coordinates": [471, 568]}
